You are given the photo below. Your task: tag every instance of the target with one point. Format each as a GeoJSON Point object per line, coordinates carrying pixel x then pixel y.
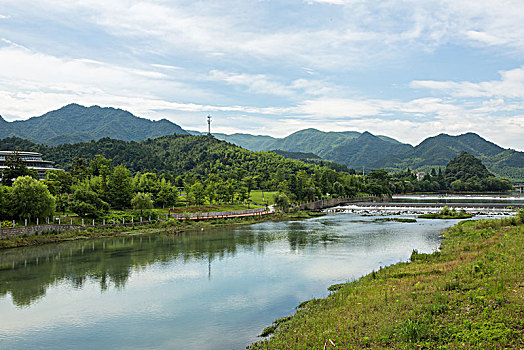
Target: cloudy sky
{"type": "Point", "coordinates": [407, 69]}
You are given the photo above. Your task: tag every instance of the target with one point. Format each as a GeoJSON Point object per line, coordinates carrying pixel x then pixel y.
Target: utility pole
{"type": "Point", "coordinates": [208, 124]}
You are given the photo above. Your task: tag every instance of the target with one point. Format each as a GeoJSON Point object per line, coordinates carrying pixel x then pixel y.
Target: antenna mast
{"type": "Point", "coordinates": [208, 124]}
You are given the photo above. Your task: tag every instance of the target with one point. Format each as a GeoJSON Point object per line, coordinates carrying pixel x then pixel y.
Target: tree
{"type": "Point", "coordinates": [167, 195]}
{"type": "Point", "coordinates": [5, 207]}
{"type": "Point", "coordinates": [58, 182]}
{"type": "Point", "coordinates": [119, 187]}
{"type": "Point", "coordinates": [142, 201]}
{"type": "Point", "coordinates": [197, 193]}
{"type": "Point", "coordinates": [100, 165]}
{"type": "Point", "coordinates": [86, 203]}
{"type": "Point", "coordinates": [211, 192]}
{"type": "Point", "coordinates": [30, 199]}
{"type": "Point", "coordinates": [148, 183]}
{"type": "Point", "coordinates": [15, 167]}
{"type": "Point", "coordinates": [242, 194]}
{"type": "Point", "coordinates": [63, 202]}
{"type": "Point", "coordinates": [79, 171]}
{"type": "Point", "coordinates": [282, 202]}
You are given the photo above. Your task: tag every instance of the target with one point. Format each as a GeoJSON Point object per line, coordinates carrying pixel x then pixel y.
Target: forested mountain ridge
{"type": "Point", "coordinates": [75, 123]}
{"type": "Point", "coordinates": [357, 150]}
{"type": "Point", "coordinates": [306, 140]}
{"type": "Point", "coordinates": [437, 151]}
{"type": "Point", "coordinates": [363, 150]}
{"type": "Point", "coordinates": [177, 155]}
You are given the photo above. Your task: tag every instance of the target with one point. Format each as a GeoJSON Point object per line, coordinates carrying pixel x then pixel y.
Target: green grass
{"type": "Point", "coordinates": [468, 295]}
{"type": "Point", "coordinates": [443, 216]}
{"type": "Point", "coordinates": [256, 196]}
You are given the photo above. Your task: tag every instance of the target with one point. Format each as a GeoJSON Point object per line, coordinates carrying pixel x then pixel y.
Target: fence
{"type": "Point", "coordinates": [20, 231]}
{"type": "Point", "coordinates": [221, 214]}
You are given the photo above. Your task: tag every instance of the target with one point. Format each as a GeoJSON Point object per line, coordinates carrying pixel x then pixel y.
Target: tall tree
{"type": "Point", "coordinates": [119, 187]}
{"type": "Point", "coordinates": [15, 167]}
{"type": "Point", "coordinates": [30, 199]}
{"type": "Point", "coordinates": [142, 201]}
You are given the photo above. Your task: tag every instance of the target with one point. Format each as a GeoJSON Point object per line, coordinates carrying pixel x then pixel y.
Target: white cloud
{"type": "Point", "coordinates": [510, 85]}
{"type": "Point", "coordinates": [263, 84]}
{"type": "Point", "coordinates": [187, 58]}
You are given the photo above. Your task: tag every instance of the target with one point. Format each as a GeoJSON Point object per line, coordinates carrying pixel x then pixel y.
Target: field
{"type": "Point", "coordinates": [256, 196]}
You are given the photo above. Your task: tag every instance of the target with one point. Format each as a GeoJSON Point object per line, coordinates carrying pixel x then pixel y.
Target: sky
{"type": "Point", "coordinates": [406, 69]}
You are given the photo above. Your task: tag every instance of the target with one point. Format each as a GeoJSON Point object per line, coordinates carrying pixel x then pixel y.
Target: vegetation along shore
{"type": "Point", "coordinates": [467, 295]}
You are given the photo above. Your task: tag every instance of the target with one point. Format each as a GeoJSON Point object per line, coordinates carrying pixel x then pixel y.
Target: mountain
{"type": "Point", "coordinates": [296, 155]}
{"type": "Point", "coordinates": [185, 157]}
{"type": "Point", "coordinates": [75, 123]}
{"type": "Point", "coordinates": [357, 150]}
{"type": "Point", "coordinates": [437, 151]}
{"type": "Point", "coordinates": [364, 150]}
{"type": "Point", "coordinates": [307, 141]}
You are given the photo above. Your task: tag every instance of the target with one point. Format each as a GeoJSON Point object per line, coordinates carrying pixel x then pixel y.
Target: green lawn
{"type": "Point", "coordinates": [256, 196]}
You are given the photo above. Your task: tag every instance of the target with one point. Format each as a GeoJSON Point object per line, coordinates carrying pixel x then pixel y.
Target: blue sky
{"type": "Point", "coordinates": [407, 69]}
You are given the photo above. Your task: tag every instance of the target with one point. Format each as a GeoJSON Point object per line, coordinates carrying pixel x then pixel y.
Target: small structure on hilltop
{"type": "Point", "coordinates": [32, 160]}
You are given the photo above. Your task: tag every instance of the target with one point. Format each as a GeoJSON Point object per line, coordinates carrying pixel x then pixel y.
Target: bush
{"type": "Point", "coordinates": [6, 223]}
{"type": "Point", "coordinates": [520, 215]}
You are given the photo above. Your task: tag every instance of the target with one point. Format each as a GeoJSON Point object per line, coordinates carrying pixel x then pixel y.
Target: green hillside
{"type": "Point", "coordinates": [364, 150]}
{"type": "Point", "coordinates": [437, 151]}
{"type": "Point", "coordinates": [307, 141]}
{"type": "Point", "coordinates": [74, 123]}
{"type": "Point", "coordinates": [178, 155]}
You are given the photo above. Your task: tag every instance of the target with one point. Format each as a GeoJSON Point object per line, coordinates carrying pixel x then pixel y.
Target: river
{"type": "Point", "coordinates": [214, 289]}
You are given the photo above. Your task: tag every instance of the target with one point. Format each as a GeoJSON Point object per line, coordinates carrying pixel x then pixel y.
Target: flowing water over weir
{"type": "Point", "coordinates": [214, 289]}
{"type": "Point", "coordinates": [472, 204]}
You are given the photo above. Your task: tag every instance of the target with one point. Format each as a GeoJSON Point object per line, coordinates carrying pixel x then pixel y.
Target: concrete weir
{"type": "Point", "coordinates": [421, 208]}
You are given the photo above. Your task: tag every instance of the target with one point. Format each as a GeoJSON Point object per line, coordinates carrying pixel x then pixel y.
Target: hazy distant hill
{"type": "Point", "coordinates": [307, 141]}
{"type": "Point", "coordinates": [74, 123]}
{"type": "Point", "coordinates": [437, 151]}
{"type": "Point", "coordinates": [357, 150]}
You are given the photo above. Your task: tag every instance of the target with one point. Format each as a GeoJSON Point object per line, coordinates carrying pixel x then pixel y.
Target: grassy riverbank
{"type": "Point", "coordinates": [468, 295]}
{"type": "Point", "coordinates": [169, 227]}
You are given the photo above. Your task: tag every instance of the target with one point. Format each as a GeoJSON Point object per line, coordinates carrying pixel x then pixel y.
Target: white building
{"type": "Point", "coordinates": [32, 160]}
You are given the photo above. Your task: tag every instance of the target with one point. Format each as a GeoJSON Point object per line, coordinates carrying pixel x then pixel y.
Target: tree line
{"type": "Point", "coordinates": [161, 172]}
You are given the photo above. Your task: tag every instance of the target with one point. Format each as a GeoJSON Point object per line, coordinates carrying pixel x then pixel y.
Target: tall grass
{"type": "Point", "coordinates": [468, 295]}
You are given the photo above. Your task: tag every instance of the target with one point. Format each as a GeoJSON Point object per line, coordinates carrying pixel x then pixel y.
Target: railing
{"type": "Point", "coordinates": [18, 231]}
{"type": "Point", "coordinates": [219, 214]}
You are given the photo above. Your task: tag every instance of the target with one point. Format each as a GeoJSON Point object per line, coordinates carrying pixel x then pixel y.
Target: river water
{"type": "Point", "coordinates": [214, 289]}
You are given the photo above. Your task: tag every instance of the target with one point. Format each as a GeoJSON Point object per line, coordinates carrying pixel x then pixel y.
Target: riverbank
{"type": "Point", "coordinates": [171, 226]}
{"type": "Point", "coordinates": [470, 294]}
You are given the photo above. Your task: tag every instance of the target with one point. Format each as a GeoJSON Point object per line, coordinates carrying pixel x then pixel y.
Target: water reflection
{"type": "Point", "coordinates": [200, 290]}
{"type": "Point", "coordinates": [27, 273]}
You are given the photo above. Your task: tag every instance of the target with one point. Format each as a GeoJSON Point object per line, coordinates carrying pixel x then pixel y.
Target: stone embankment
{"type": "Point", "coordinates": [21, 231]}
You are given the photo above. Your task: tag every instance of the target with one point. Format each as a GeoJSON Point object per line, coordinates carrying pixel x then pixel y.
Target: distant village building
{"type": "Point", "coordinates": [32, 160]}
{"type": "Point", "coordinates": [419, 174]}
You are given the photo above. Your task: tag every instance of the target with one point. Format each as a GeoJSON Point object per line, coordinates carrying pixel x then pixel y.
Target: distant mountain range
{"type": "Point", "coordinates": [365, 150]}
{"type": "Point", "coordinates": [74, 123]}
